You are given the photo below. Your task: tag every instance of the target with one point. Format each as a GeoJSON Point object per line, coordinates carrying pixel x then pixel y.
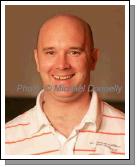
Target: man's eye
{"type": "Point", "coordinates": [75, 53]}
{"type": "Point", "coordinates": [50, 52]}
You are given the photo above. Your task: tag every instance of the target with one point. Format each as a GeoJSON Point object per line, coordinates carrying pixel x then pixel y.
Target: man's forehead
{"type": "Point", "coordinates": [63, 19]}
{"type": "Point", "coordinates": [68, 21]}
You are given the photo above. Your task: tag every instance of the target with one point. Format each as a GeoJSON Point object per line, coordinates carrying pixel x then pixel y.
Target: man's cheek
{"type": "Point", "coordinates": [45, 67]}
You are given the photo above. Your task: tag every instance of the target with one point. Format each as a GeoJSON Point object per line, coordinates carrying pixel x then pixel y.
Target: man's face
{"type": "Point", "coordinates": [63, 56]}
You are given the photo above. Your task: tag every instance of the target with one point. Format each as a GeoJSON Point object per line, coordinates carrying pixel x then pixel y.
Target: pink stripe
{"type": "Point", "coordinates": [118, 153]}
{"type": "Point", "coordinates": [97, 153]}
{"type": "Point", "coordinates": [83, 150]}
{"type": "Point", "coordinates": [20, 124]}
{"type": "Point", "coordinates": [113, 117]}
{"type": "Point", "coordinates": [107, 133]}
{"type": "Point", "coordinates": [45, 152]}
{"type": "Point", "coordinates": [12, 142]}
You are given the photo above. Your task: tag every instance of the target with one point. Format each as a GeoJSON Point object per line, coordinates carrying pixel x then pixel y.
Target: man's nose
{"type": "Point", "coordinates": [62, 62]}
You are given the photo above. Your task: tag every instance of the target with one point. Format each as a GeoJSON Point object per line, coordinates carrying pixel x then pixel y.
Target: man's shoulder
{"type": "Point", "coordinates": [113, 120]}
{"type": "Point", "coordinates": [111, 111]}
{"type": "Point", "coordinates": [22, 118]}
{"type": "Point", "coordinates": [20, 124]}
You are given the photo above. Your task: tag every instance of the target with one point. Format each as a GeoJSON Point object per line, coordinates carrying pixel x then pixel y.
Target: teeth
{"type": "Point", "coordinates": [62, 77]}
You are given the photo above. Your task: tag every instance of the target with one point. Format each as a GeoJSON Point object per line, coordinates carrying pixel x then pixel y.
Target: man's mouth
{"type": "Point", "coordinates": [63, 77]}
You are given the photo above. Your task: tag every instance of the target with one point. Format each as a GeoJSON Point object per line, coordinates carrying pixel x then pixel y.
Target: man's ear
{"type": "Point", "coordinates": [36, 59]}
{"type": "Point", "coordinates": [94, 58]}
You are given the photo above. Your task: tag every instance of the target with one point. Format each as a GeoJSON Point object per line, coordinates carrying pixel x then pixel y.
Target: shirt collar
{"type": "Point", "coordinates": [39, 119]}
{"type": "Point", "coordinates": [93, 114]}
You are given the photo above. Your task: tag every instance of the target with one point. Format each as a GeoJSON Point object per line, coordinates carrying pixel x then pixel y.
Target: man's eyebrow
{"type": "Point", "coordinates": [47, 48]}
{"type": "Point", "coordinates": [77, 48]}
{"type": "Point", "coordinates": [52, 48]}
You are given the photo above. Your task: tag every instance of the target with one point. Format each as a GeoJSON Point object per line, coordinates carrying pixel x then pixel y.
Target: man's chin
{"type": "Point", "coordinates": [65, 96]}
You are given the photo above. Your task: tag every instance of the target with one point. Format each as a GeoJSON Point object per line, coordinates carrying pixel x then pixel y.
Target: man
{"type": "Point", "coordinates": [66, 120]}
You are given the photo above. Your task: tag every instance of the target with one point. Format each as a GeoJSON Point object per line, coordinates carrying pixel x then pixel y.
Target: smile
{"type": "Point", "coordinates": [65, 77]}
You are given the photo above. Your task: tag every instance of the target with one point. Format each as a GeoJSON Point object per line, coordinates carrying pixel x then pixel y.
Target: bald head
{"type": "Point", "coordinates": [67, 21]}
{"type": "Point", "coordinates": [65, 49]}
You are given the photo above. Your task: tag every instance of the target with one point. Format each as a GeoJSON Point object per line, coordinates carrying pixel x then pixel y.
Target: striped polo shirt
{"type": "Point", "coordinates": [101, 132]}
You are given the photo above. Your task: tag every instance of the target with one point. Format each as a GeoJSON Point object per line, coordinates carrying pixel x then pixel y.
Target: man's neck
{"type": "Point", "coordinates": [65, 116]}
